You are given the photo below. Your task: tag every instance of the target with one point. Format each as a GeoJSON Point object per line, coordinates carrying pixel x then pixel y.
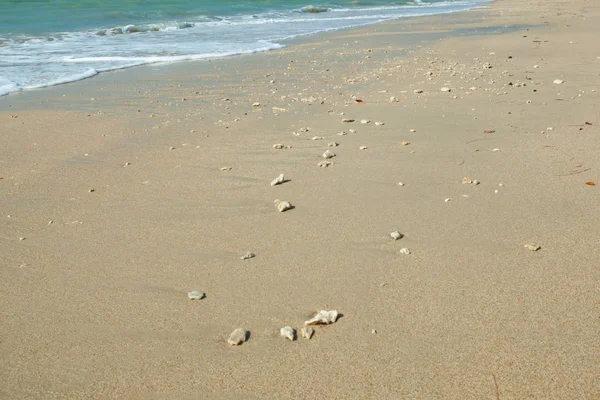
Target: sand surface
{"type": "Point", "coordinates": [114, 206]}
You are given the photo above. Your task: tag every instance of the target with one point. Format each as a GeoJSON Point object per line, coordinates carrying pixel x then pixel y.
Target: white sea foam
{"type": "Point", "coordinates": [33, 62]}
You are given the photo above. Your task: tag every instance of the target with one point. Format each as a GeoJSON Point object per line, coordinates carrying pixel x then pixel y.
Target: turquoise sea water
{"type": "Point", "coordinates": [49, 42]}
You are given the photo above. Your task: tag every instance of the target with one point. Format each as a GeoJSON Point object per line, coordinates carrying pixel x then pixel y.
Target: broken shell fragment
{"type": "Point", "coordinates": [363, 148]}
{"type": "Point", "coordinates": [333, 144]}
{"type": "Point", "coordinates": [404, 143]}
{"type": "Point", "coordinates": [247, 256]}
{"type": "Point", "coordinates": [532, 247]}
{"type": "Point", "coordinates": [418, 91]}
{"type": "Point", "coordinates": [317, 138]}
{"type": "Point", "coordinates": [446, 89]}
{"type": "Point", "coordinates": [558, 81]}
{"type": "Point", "coordinates": [365, 121]}
{"type": "Point", "coordinates": [196, 295]}
{"type": "Point", "coordinates": [404, 250]}
{"type": "Point", "coordinates": [226, 168]}
{"type": "Point", "coordinates": [278, 181]}
{"type": "Point", "coordinates": [324, 164]}
{"type": "Point", "coordinates": [307, 332]}
{"type": "Point", "coordinates": [288, 332]}
{"type": "Point", "coordinates": [394, 99]}
{"type": "Point", "coordinates": [283, 205]}
{"type": "Point", "coordinates": [466, 180]}
{"type": "Point", "coordinates": [323, 317]}
{"type": "Point", "coordinates": [396, 235]}
{"type": "Point", "coordinates": [379, 123]}
{"type": "Point", "coordinates": [328, 154]}
{"type": "Point", "coordinates": [238, 337]}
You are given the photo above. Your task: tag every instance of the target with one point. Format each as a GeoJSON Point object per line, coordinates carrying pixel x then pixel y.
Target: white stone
{"type": "Point", "coordinates": [317, 138]}
{"type": "Point", "coordinates": [196, 295]}
{"type": "Point", "coordinates": [328, 154]}
{"type": "Point", "coordinates": [283, 205]}
{"type": "Point", "coordinates": [278, 181]}
{"type": "Point", "coordinates": [256, 105]}
{"type": "Point", "coordinates": [323, 317]}
{"type": "Point", "coordinates": [418, 91]}
{"type": "Point", "coordinates": [363, 148]}
{"type": "Point", "coordinates": [288, 332]}
{"type": "Point", "coordinates": [448, 200]}
{"type": "Point", "coordinates": [532, 247]}
{"type": "Point", "coordinates": [307, 332]}
{"type": "Point", "coordinates": [237, 337]}
{"type": "Point", "coordinates": [379, 123]}
{"type": "Point", "coordinates": [404, 250]}
{"type": "Point", "coordinates": [365, 121]}
{"type": "Point", "coordinates": [446, 89]}
{"type": "Point", "coordinates": [394, 99]}
{"type": "Point", "coordinates": [558, 81]}
{"type": "Point", "coordinates": [396, 235]}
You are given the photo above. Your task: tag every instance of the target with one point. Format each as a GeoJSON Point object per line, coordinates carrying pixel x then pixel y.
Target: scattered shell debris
{"type": "Point", "coordinates": [196, 295]}
{"type": "Point", "coordinates": [328, 154]}
{"type": "Point", "coordinates": [288, 332]}
{"type": "Point", "coordinates": [307, 332]}
{"type": "Point", "coordinates": [247, 256]}
{"type": "Point", "coordinates": [323, 317]}
{"type": "Point", "coordinates": [237, 337]}
{"type": "Point", "coordinates": [282, 205]}
{"type": "Point", "coordinates": [532, 247]}
{"type": "Point", "coordinates": [396, 235]}
{"type": "Point", "coordinates": [278, 181]}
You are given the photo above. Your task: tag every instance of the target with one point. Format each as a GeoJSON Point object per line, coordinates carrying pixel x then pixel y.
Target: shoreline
{"type": "Point", "coordinates": [303, 38]}
{"type": "Point", "coordinates": [124, 193]}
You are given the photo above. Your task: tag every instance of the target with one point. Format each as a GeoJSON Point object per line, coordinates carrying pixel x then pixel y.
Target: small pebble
{"type": "Point", "coordinates": [278, 181]}
{"type": "Point", "coordinates": [404, 250]}
{"type": "Point", "coordinates": [247, 256]}
{"type": "Point", "coordinates": [365, 121]}
{"type": "Point", "coordinates": [237, 337]}
{"type": "Point", "coordinates": [333, 144]}
{"type": "Point", "coordinates": [532, 247]}
{"type": "Point", "coordinates": [446, 89]}
{"type": "Point", "coordinates": [394, 99]}
{"type": "Point", "coordinates": [288, 332]}
{"type": "Point", "coordinates": [196, 295]}
{"type": "Point", "coordinates": [324, 164]}
{"type": "Point", "coordinates": [328, 154]}
{"type": "Point", "coordinates": [558, 81]}
{"type": "Point", "coordinates": [377, 123]}
{"type": "Point", "coordinates": [226, 168]}
{"type": "Point", "coordinates": [283, 205]}
{"type": "Point", "coordinates": [363, 148]}
{"type": "Point", "coordinates": [404, 143]}
{"type": "Point", "coordinates": [448, 200]}
{"type": "Point", "coordinates": [400, 184]}
{"type": "Point", "coordinates": [307, 332]}
{"type": "Point", "coordinates": [317, 138]}
{"type": "Point", "coordinates": [396, 235]}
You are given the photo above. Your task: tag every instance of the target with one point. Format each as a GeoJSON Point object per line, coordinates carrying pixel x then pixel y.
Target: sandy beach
{"type": "Point", "coordinates": [473, 134]}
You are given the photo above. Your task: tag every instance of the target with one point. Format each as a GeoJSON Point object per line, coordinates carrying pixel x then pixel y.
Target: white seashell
{"type": "Point", "coordinates": [352, 130]}
{"type": "Point", "coordinates": [237, 337]}
{"type": "Point", "coordinates": [476, 182]}
{"type": "Point", "coordinates": [363, 148]}
{"type": "Point", "coordinates": [226, 169]}
{"type": "Point", "coordinates": [404, 250]}
{"type": "Point", "coordinates": [333, 144]}
{"type": "Point", "coordinates": [532, 247]}
{"type": "Point", "coordinates": [305, 129]}
{"type": "Point", "coordinates": [418, 91]}
{"type": "Point", "coordinates": [328, 154]}
{"type": "Point", "coordinates": [394, 99]}
{"type": "Point", "coordinates": [196, 295]}
{"type": "Point", "coordinates": [446, 89]}
{"type": "Point", "coordinates": [323, 317]}
{"type": "Point", "coordinates": [307, 332]}
{"type": "Point", "coordinates": [317, 138]}
{"type": "Point", "coordinates": [558, 81]}
{"type": "Point", "coordinates": [396, 235]}
{"type": "Point", "coordinates": [278, 181]}
{"type": "Point", "coordinates": [256, 105]}
{"type": "Point", "coordinates": [448, 200]}
{"type": "Point", "coordinates": [288, 332]}
{"type": "Point", "coordinates": [380, 123]}
{"type": "Point", "coordinates": [283, 205]}
{"type": "Point", "coordinates": [466, 180]}
{"type": "Point", "coordinates": [324, 164]}
{"type": "Point", "coordinates": [412, 130]}
{"type": "Point", "coordinates": [365, 121]}
{"type": "Point", "coordinates": [400, 184]}
{"type": "Point", "coordinates": [247, 256]}
{"type": "Point", "coordinates": [536, 66]}
{"type": "Point", "coordinates": [404, 143]}
{"type": "Point", "coordinates": [496, 150]}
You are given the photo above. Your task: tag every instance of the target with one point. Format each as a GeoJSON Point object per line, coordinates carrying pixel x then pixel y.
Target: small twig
{"type": "Point", "coordinates": [496, 385]}
{"type": "Point", "coordinates": [477, 140]}
{"type": "Point", "coordinates": [574, 172]}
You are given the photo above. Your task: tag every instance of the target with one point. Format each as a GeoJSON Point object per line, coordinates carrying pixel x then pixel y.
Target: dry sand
{"type": "Point", "coordinates": [117, 227]}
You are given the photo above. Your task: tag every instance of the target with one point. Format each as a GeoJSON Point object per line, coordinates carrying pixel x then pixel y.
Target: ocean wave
{"type": "Point", "coordinates": [7, 87]}
{"type": "Point", "coordinates": [314, 9]}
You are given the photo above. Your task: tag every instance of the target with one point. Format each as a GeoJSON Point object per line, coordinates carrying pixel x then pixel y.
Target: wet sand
{"type": "Point", "coordinates": [115, 206]}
